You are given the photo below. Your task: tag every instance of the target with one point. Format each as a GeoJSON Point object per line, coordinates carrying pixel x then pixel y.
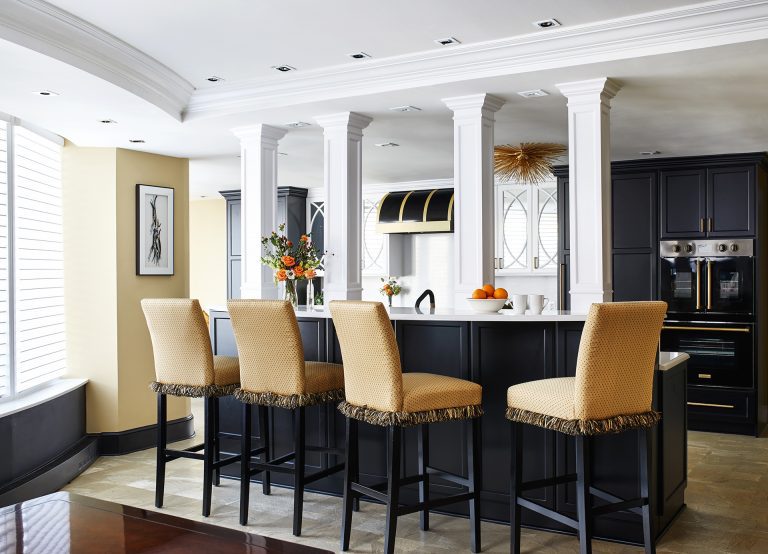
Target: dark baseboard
{"type": "Point", "coordinates": [141, 438]}
{"type": "Point", "coordinates": [53, 475]}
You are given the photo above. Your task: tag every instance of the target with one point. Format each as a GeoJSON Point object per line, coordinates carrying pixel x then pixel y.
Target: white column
{"type": "Point", "coordinates": [473, 121]}
{"type": "Point", "coordinates": [258, 205]}
{"type": "Point", "coordinates": [343, 136]}
{"type": "Point", "coordinates": [589, 189]}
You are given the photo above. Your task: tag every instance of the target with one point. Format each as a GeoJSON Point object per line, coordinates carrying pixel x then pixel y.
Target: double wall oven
{"type": "Point", "coordinates": [709, 287]}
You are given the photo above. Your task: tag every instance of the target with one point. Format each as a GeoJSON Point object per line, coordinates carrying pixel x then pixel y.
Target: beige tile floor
{"type": "Point", "coordinates": [727, 508]}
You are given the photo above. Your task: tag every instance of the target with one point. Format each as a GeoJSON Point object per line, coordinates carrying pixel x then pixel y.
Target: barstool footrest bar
{"type": "Point", "coordinates": [367, 491]}
{"type": "Point", "coordinates": [323, 473]}
{"type": "Point", "coordinates": [325, 450]}
{"type": "Point", "coordinates": [226, 461]}
{"type": "Point", "coordinates": [546, 512]}
{"type": "Point", "coordinates": [633, 506]}
{"type": "Point", "coordinates": [171, 455]}
{"type": "Point", "coordinates": [452, 477]}
{"type": "Point", "coordinates": [549, 482]}
{"type": "Point", "coordinates": [229, 435]}
{"type": "Point", "coordinates": [435, 503]}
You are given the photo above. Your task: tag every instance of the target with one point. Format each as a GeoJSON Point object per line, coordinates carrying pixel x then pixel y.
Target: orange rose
{"type": "Point", "coordinates": [298, 271]}
{"type": "Point", "coordinates": [288, 261]}
{"type": "Point", "coordinates": [281, 275]}
{"type": "Point", "coordinates": [310, 274]}
{"type": "Point", "coordinates": [289, 243]}
{"type": "Point", "coordinates": [304, 238]}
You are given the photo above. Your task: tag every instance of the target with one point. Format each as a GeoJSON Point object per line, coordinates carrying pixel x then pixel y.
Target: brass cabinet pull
{"type": "Point", "coordinates": [709, 284]}
{"type": "Point", "coordinates": [705, 376]}
{"type": "Point", "coordinates": [721, 329]}
{"type": "Point", "coordinates": [698, 284]}
{"type": "Point", "coordinates": [561, 285]}
{"type": "Point", "coordinates": [710, 224]}
{"type": "Point", "coordinates": [701, 225]}
{"type": "Point", "coordinates": [708, 405]}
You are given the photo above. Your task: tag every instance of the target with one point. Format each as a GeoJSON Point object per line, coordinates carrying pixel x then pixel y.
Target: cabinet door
{"type": "Point", "coordinates": [634, 276]}
{"type": "Point", "coordinates": [564, 281]}
{"type": "Point", "coordinates": [233, 248]}
{"type": "Point", "coordinates": [683, 203]}
{"type": "Point", "coordinates": [634, 210]}
{"type": "Point", "coordinates": [563, 216]}
{"type": "Point", "coordinates": [731, 201]}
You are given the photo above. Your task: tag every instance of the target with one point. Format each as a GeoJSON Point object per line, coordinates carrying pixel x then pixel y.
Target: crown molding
{"type": "Point", "coordinates": [704, 25]}
{"type": "Point", "coordinates": [44, 28]}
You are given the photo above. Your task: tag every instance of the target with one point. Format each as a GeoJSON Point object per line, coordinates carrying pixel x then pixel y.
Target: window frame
{"type": "Point", "coordinates": [12, 123]}
{"type": "Point", "coordinates": [532, 228]}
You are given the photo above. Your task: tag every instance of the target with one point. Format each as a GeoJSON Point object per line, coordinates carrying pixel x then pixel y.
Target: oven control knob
{"type": "Point", "coordinates": [734, 248]}
{"type": "Point", "coordinates": [722, 247]}
{"type": "Point", "coordinates": [689, 248]}
{"type": "Point", "coordinates": [675, 248]}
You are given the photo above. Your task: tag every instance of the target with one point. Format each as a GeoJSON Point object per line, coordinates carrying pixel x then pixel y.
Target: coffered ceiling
{"type": "Point", "coordinates": [693, 76]}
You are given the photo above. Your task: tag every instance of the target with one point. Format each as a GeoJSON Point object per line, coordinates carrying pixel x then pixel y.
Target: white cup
{"type": "Point", "coordinates": [519, 302]}
{"type": "Point", "coordinates": [536, 303]}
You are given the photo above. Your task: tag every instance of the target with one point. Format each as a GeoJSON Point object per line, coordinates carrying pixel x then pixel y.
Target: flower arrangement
{"type": "Point", "coordinates": [291, 262]}
{"type": "Point", "coordinates": [390, 288]}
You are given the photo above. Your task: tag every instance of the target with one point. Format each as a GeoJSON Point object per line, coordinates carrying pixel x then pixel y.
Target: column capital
{"type": "Point", "coordinates": [259, 133]}
{"type": "Point", "coordinates": [473, 102]}
{"type": "Point", "coordinates": [604, 87]}
{"type": "Point", "coordinates": [346, 120]}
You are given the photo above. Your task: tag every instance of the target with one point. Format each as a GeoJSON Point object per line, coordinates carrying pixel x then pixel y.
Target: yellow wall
{"type": "Point", "coordinates": [208, 251]}
{"type": "Point", "coordinates": [108, 342]}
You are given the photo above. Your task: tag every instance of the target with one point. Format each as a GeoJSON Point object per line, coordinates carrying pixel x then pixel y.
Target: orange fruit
{"type": "Point", "coordinates": [479, 294]}
{"type": "Point", "coordinates": [488, 289]}
{"type": "Point", "coordinates": [500, 293]}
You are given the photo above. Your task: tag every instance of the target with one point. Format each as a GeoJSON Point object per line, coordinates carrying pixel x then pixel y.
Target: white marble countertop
{"type": "Point", "coordinates": [668, 360]}
{"type": "Point", "coordinates": [449, 314]}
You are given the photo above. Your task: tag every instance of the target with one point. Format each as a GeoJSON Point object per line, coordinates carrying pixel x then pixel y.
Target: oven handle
{"type": "Point", "coordinates": [709, 284]}
{"type": "Point", "coordinates": [698, 284]}
{"type": "Point", "coordinates": [716, 329]}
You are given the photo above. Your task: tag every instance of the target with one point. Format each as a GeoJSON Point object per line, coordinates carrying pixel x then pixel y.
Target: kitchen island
{"type": "Point", "coordinates": [496, 350]}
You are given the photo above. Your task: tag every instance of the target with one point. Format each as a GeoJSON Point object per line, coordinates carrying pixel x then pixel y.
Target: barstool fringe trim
{"type": "Point", "coordinates": [289, 401]}
{"type": "Point", "coordinates": [195, 391]}
{"type": "Point", "coordinates": [615, 424]}
{"type": "Point", "coordinates": [408, 419]}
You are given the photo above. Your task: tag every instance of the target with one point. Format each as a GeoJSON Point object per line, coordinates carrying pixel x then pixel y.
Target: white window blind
{"type": "Point", "coordinates": [38, 249]}
{"type": "Point", "coordinates": [5, 366]}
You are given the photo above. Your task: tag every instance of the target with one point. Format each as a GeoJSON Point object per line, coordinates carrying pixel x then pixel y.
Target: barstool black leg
{"type": "Point", "coordinates": [424, 483]}
{"type": "Point", "coordinates": [266, 482]}
{"type": "Point", "coordinates": [583, 497]}
{"type": "Point", "coordinates": [350, 477]}
{"type": "Point", "coordinates": [393, 492]}
{"type": "Point", "coordinates": [299, 467]}
{"type": "Point", "coordinates": [162, 440]}
{"type": "Point", "coordinates": [649, 528]}
{"type": "Point", "coordinates": [245, 464]}
{"type": "Point", "coordinates": [516, 479]}
{"type": "Point", "coordinates": [474, 471]}
{"type": "Point", "coordinates": [216, 442]}
{"type": "Point", "coordinates": [208, 456]}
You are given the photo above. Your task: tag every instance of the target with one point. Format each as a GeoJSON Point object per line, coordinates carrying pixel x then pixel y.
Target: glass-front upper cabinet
{"type": "Point", "coordinates": [526, 229]}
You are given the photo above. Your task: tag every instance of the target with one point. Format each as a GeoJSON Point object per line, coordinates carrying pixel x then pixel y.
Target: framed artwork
{"type": "Point", "coordinates": [154, 230]}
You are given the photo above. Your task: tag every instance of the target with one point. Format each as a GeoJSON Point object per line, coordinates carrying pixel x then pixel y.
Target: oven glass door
{"type": "Point", "coordinates": [680, 284]}
{"type": "Point", "coordinates": [720, 355]}
{"type": "Point", "coordinates": [729, 285]}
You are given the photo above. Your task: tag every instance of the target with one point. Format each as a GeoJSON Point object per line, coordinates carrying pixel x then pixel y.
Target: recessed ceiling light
{"type": "Point", "coordinates": [214, 79]}
{"type": "Point", "coordinates": [387, 144]}
{"type": "Point", "coordinates": [107, 121]}
{"type": "Point", "coordinates": [533, 93]}
{"type": "Point", "coordinates": [45, 93]}
{"type": "Point", "coordinates": [447, 41]}
{"type": "Point", "coordinates": [359, 55]}
{"type": "Point", "coordinates": [297, 124]}
{"type": "Point", "coordinates": [546, 23]}
{"type": "Point", "coordinates": [136, 141]}
{"type": "Point", "coordinates": [284, 68]}
{"type": "Point", "coordinates": [405, 109]}
{"type": "Point", "coordinates": [650, 153]}
{"type": "Point", "coordinates": [282, 153]}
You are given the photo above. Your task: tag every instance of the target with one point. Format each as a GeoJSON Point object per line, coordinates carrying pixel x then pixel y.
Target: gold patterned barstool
{"type": "Point", "coordinates": [379, 393]}
{"type": "Point", "coordinates": [611, 393]}
{"type": "Point", "coordinates": [273, 373]}
{"type": "Point", "coordinates": [185, 366]}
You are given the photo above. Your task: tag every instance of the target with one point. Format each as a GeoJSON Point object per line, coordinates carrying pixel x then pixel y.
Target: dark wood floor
{"type": "Point", "coordinates": [65, 522]}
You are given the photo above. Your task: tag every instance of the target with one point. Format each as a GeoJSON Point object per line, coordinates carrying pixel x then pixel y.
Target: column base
{"type": "Point", "coordinates": [581, 301]}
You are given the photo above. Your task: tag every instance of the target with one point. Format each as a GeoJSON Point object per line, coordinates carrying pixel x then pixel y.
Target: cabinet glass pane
{"type": "Point", "coordinates": [373, 242]}
{"type": "Point", "coordinates": [317, 228]}
{"type": "Point", "coordinates": [515, 218]}
{"type": "Point", "coordinates": [547, 251]}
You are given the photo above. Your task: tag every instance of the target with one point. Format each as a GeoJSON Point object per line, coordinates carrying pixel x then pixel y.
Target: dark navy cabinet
{"type": "Point", "coordinates": [234, 250]}
{"type": "Point", "coordinates": [683, 206]}
{"type": "Point", "coordinates": [731, 199]}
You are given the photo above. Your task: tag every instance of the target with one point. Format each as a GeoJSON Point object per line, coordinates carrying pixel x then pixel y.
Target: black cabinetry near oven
{"type": "Point", "coordinates": [701, 197]}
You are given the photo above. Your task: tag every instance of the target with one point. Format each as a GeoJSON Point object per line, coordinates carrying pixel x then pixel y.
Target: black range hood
{"type": "Point", "coordinates": [416, 211]}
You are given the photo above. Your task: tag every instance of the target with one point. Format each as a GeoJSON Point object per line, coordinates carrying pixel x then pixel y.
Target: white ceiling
{"type": "Point", "coordinates": [700, 101]}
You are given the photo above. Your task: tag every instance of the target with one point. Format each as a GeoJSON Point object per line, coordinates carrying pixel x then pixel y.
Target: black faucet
{"type": "Point", "coordinates": [424, 294]}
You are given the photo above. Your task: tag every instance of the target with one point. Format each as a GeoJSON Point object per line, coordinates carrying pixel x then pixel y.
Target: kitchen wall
{"type": "Point", "coordinates": [208, 251]}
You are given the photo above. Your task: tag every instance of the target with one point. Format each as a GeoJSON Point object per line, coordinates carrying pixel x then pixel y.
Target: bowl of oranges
{"type": "Point", "coordinates": [488, 299]}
